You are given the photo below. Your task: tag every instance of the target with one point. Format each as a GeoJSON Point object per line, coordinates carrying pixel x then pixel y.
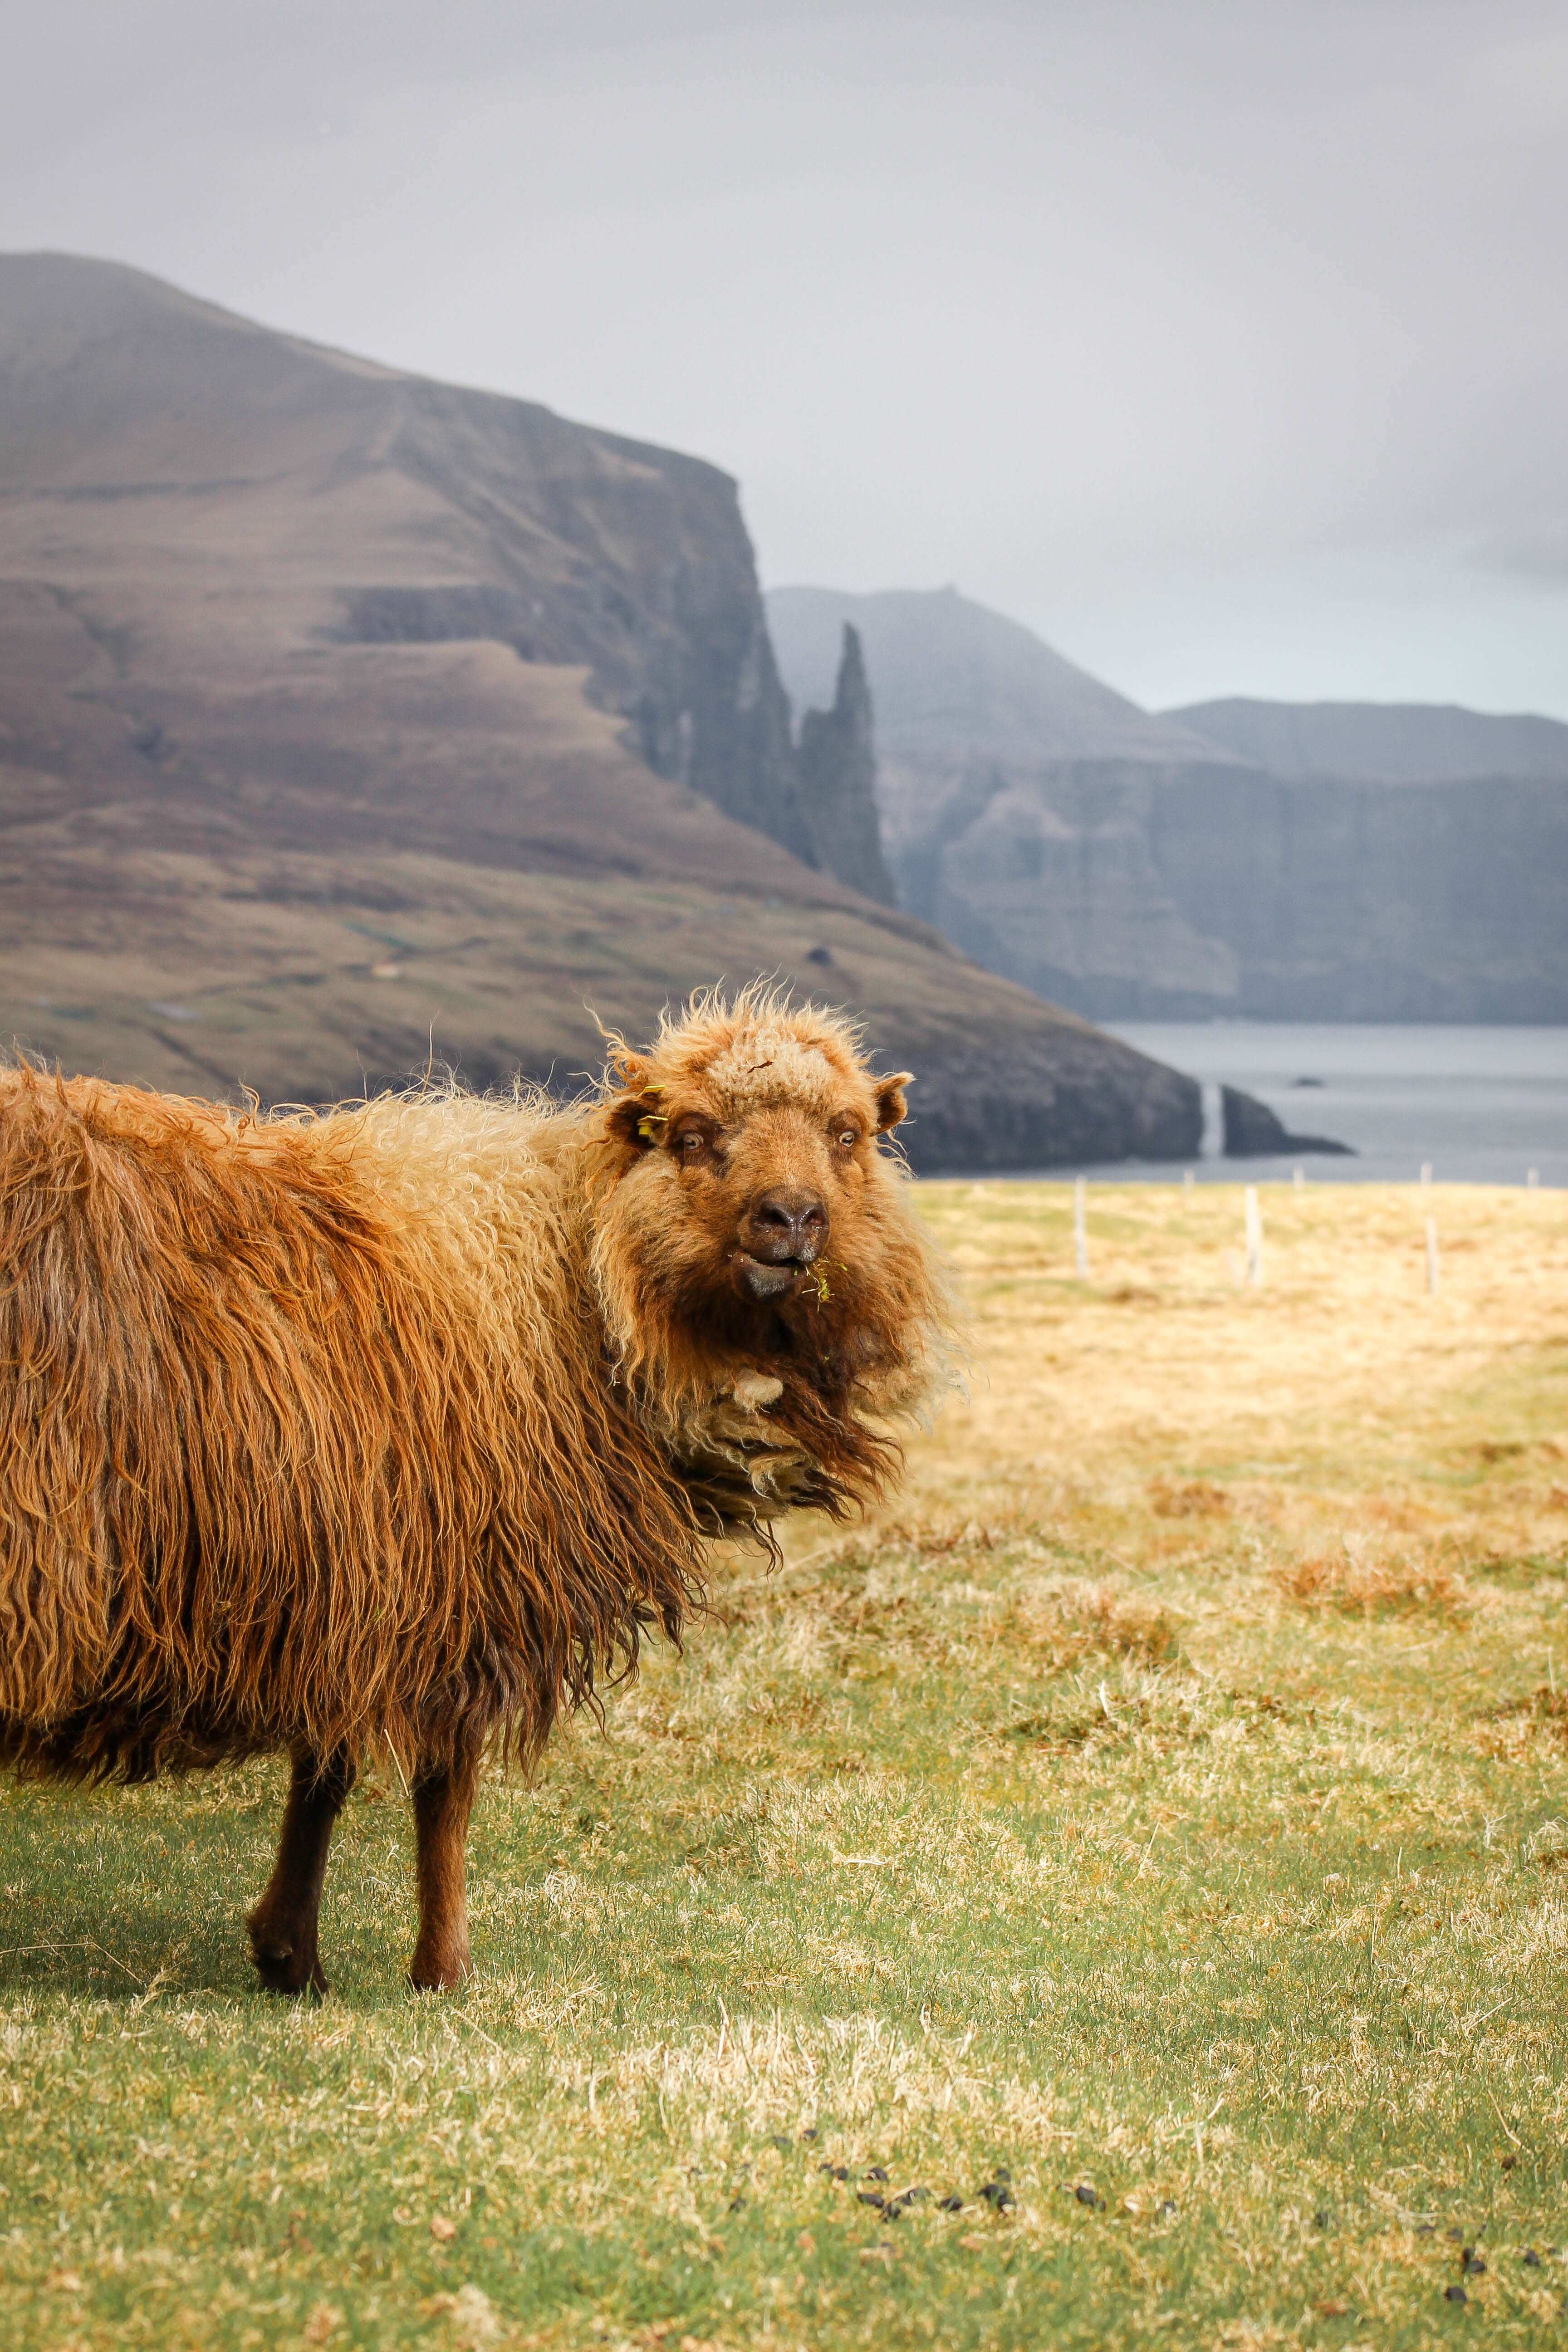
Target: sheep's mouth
{"type": "Point", "coordinates": [763, 1280]}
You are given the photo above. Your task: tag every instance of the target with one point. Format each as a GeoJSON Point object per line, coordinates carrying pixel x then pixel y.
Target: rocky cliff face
{"type": "Point", "coordinates": [1176, 893]}
{"type": "Point", "coordinates": [630, 561]}
{"type": "Point", "coordinates": [837, 767]}
{"type": "Point", "coordinates": [1402, 866]}
{"type": "Point", "coordinates": [1056, 879]}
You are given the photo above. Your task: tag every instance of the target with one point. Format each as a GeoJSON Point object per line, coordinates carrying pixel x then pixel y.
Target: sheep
{"type": "Point", "coordinates": [395, 1428]}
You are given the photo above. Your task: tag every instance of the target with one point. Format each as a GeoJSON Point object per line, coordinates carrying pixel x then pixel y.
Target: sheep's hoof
{"type": "Point", "coordinates": [284, 1966]}
{"type": "Point", "coordinates": [433, 1972]}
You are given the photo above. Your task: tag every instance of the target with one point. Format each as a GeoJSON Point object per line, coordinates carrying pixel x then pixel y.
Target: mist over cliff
{"type": "Point", "coordinates": [1330, 862]}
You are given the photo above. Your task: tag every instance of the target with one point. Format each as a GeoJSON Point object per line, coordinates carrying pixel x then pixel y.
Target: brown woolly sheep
{"type": "Point", "coordinates": [395, 1427]}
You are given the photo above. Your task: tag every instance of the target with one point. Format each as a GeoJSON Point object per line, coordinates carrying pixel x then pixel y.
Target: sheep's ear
{"type": "Point", "coordinates": [891, 1105]}
{"type": "Point", "coordinates": [637, 1119]}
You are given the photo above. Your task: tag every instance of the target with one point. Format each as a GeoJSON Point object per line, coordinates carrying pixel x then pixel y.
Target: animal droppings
{"type": "Point", "coordinates": [1454, 2294]}
{"type": "Point", "coordinates": [1531, 2259]}
{"type": "Point", "coordinates": [1084, 2193]}
{"type": "Point", "coordinates": [869, 2197]}
{"type": "Point", "coordinates": [876, 2172]}
{"type": "Point", "coordinates": [952, 2205]}
{"type": "Point", "coordinates": [1474, 2266]}
{"type": "Point", "coordinates": [1320, 2220]}
{"type": "Point", "coordinates": [1425, 2228]}
{"type": "Point", "coordinates": [1166, 2209]}
{"type": "Point", "coordinates": [997, 2195]}
{"type": "Point", "coordinates": [811, 2132]}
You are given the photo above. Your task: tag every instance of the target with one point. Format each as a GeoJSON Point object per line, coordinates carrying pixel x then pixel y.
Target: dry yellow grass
{"type": "Point", "coordinates": [1157, 1819]}
{"type": "Point", "coordinates": [1339, 1386]}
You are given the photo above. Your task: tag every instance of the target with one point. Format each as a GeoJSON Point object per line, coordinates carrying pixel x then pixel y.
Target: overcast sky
{"type": "Point", "coordinates": [1225, 344]}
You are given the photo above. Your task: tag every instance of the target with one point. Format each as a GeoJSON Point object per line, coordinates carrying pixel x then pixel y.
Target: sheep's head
{"type": "Point", "coordinates": [753, 1235]}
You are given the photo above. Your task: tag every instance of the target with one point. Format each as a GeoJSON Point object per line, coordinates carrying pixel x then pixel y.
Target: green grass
{"type": "Point", "coordinates": [1167, 1799]}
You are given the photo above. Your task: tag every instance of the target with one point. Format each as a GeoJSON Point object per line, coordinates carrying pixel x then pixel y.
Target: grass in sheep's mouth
{"type": "Point", "coordinates": [1165, 1802]}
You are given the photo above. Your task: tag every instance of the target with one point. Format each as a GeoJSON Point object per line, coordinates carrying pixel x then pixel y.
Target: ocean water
{"type": "Point", "coordinates": [1483, 1106]}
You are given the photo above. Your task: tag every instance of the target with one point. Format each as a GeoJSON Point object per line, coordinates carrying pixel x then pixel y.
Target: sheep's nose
{"type": "Point", "coordinates": [787, 1222]}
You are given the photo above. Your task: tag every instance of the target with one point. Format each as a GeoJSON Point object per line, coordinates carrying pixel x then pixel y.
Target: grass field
{"type": "Point", "coordinates": [1158, 1820]}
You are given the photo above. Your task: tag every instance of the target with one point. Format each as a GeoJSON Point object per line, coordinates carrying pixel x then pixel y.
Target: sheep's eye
{"type": "Point", "coordinates": [691, 1143]}
{"type": "Point", "coordinates": [848, 1138]}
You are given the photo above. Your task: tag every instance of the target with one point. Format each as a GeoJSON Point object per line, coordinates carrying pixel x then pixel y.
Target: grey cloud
{"type": "Point", "coordinates": [1539, 555]}
{"type": "Point", "coordinates": [1082, 305]}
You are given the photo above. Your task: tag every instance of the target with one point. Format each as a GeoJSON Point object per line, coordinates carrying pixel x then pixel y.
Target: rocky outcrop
{"type": "Point", "coordinates": [1059, 1102]}
{"type": "Point", "coordinates": [838, 766]}
{"type": "Point", "coordinates": [1251, 1130]}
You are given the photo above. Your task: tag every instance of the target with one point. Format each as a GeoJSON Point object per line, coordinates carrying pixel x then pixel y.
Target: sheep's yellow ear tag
{"type": "Point", "coordinates": [635, 1119]}
{"type": "Point", "coordinates": [650, 1119]}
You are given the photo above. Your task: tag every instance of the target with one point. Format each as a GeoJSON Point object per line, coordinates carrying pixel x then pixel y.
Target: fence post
{"type": "Point", "coordinates": [1079, 1228]}
{"type": "Point", "coordinates": [1254, 1240]}
{"type": "Point", "coordinates": [1431, 1257]}
{"type": "Point", "coordinates": [1299, 1178]}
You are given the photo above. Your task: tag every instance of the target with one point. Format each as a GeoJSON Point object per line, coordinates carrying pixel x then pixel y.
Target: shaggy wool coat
{"type": "Point", "coordinates": [400, 1425]}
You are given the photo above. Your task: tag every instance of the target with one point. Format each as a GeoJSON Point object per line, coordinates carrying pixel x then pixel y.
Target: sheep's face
{"type": "Point", "coordinates": [753, 1223]}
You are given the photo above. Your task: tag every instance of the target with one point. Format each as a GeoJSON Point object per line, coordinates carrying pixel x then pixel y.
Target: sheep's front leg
{"type": "Point", "coordinates": [442, 1799]}
{"type": "Point", "coordinates": [283, 1925]}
